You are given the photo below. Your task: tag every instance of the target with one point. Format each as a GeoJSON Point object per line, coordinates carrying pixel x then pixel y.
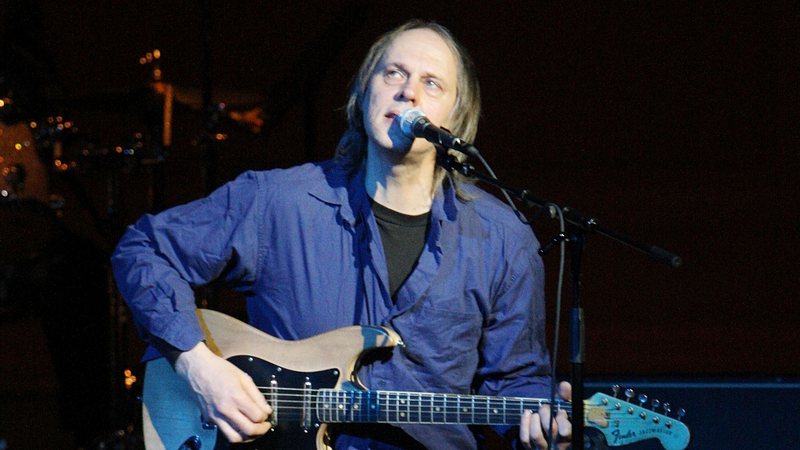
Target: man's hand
{"type": "Point", "coordinates": [227, 397]}
{"type": "Point", "coordinates": [534, 428]}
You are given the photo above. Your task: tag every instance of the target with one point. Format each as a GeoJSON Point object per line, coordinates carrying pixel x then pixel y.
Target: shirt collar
{"type": "Point", "coordinates": [445, 204]}
{"type": "Point", "coordinates": [342, 188]}
{"type": "Point", "coordinates": [346, 190]}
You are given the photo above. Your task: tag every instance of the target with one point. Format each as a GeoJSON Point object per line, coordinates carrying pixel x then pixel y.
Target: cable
{"type": "Point", "coordinates": [559, 288]}
{"type": "Point", "coordinates": [505, 194]}
{"type": "Point", "coordinates": [555, 210]}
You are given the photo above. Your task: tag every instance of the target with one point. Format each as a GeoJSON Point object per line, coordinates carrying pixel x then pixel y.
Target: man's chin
{"type": "Point", "coordinates": [400, 145]}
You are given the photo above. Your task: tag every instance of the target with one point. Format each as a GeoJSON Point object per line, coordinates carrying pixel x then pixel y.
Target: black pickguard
{"type": "Point", "coordinates": [289, 432]}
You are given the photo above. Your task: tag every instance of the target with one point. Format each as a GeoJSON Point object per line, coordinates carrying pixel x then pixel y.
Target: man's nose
{"type": "Point", "coordinates": [409, 90]}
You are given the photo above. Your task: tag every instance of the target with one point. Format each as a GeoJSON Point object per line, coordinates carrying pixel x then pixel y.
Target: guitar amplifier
{"type": "Point", "coordinates": [720, 414]}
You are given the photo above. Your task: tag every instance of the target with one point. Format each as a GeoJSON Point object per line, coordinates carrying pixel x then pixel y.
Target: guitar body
{"type": "Point", "coordinates": [311, 383]}
{"type": "Point", "coordinates": [326, 361]}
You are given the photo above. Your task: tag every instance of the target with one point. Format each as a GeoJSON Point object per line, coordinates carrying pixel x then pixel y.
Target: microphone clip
{"type": "Point", "coordinates": [450, 163]}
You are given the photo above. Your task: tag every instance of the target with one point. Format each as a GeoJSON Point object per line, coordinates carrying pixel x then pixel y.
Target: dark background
{"type": "Point", "coordinates": [672, 122]}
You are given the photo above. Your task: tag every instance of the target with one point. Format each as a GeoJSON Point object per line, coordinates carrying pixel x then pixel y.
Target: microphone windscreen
{"type": "Point", "coordinates": [407, 120]}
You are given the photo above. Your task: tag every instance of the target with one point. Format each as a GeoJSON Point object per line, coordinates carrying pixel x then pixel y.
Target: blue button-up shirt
{"type": "Point", "coordinates": [303, 244]}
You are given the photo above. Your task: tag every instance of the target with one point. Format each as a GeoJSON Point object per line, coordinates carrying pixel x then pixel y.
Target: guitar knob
{"type": "Point", "coordinates": [655, 404]}
{"type": "Point", "coordinates": [667, 408]}
{"type": "Point", "coordinates": [616, 388]}
{"type": "Point", "coordinates": [629, 394]}
{"type": "Point", "coordinates": [681, 413]}
{"type": "Point", "coordinates": [642, 399]}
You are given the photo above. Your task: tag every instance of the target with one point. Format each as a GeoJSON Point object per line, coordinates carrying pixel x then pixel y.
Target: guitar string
{"type": "Point", "coordinates": [389, 405]}
{"type": "Point", "coordinates": [266, 390]}
{"type": "Point", "coordinates": [416, 399]}
{"type": "Point", "coordinates": [412, 397]}
{"type": "Point", "coordinates": [390, 411]}
{"type": "Point", "coordinates": [400, 416]}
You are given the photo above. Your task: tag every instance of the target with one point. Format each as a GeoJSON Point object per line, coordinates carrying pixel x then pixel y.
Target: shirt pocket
{"type": "Point", "coordinates": [441, 346]}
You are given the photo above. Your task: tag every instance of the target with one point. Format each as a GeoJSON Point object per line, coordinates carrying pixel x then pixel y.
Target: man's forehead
{"type": "Point", "coordinates": [420, 44]}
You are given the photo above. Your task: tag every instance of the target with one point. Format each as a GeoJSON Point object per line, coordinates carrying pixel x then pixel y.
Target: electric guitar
{"type": "Point", "coordinates": [311, 383]}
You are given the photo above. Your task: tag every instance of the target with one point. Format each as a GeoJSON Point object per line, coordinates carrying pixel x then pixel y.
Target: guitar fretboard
{"type": "Point", "coordinates": [336, 406]}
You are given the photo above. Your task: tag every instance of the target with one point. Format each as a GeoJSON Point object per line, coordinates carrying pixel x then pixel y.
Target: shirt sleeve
{"type": "Point", "coordinates": [161, 258]}
{"type": "Point", "coordinates": [515, 358]}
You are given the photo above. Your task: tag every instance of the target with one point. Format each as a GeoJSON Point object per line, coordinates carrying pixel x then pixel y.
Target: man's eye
{"type": "Point", "coordinates": [433, 84]}
{"type": "Point", "coordinates": [393, 75]}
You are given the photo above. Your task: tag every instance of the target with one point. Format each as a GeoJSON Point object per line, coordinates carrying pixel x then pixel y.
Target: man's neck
{"type": "Point", "coordinates": [403, 183]}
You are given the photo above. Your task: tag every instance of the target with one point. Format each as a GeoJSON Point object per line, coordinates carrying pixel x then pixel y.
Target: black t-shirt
{"type": "Point", "coordinates": [403, 239]}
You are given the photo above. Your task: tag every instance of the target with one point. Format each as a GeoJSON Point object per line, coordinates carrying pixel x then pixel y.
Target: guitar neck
{"type": "Point", "coordinates": [336, 406]}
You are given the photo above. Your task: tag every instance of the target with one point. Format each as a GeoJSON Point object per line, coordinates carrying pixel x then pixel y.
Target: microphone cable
{"type": "Point", "coordinates": [555, 211]}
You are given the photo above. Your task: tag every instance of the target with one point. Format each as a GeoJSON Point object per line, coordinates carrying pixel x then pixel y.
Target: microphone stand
{"type": "Point", "coordinates": [578, 227]}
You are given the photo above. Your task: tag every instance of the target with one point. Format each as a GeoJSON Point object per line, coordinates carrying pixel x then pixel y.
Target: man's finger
{"type": "Point", "coordinates": [239, 427]}
{"type": "Point", "coordinates": [253, 404]}
{"type": "Point", "coordinates": [525, 429]}
{"type": "Point", "coordinates": [227, 430]}
{"type": "Point", "coordinates": [544, 414]}
{"type": "Point", "coordinates": [565, 390]}
{"type": "Point", "coordinates": [564, 429]}
{"type": "Point", "coordinates": [537, 433]}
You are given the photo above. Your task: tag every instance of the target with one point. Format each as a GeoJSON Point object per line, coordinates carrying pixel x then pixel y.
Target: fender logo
{"type": "Point", "coordinates": [631, 434]}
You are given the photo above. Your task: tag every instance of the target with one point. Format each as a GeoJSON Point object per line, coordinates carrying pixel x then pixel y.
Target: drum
{"type": "Point", "coordinates": [23, 175]}
{"type": "Point", "coordinates": [27, 224]}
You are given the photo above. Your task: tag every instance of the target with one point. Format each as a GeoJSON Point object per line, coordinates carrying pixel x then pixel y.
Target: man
{"type": "Point", "coordinates": [377, 236]}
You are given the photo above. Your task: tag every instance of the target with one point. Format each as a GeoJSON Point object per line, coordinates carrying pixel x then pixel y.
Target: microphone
{"type": "Point", "coordinates": [414, 124]}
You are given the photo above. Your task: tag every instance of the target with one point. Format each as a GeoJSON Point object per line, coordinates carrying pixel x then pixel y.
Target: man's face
{"type": "Point", "coordinates": [418, 70]}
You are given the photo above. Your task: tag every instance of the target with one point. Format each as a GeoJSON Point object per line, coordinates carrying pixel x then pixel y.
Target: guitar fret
{"type": "Point", "coordinates": [375, 408]}
{"type": "Point", "coordinates": [364, 407]}
{"type": "Point", "coordinates": [347, 406]}
{"type": "Point", "coordinates": [364, 410]}
{"type": "Point", "coordinates": [402, 406]}
{"type": "Point", "coordinates": [341, 406]}
{"type": "Point", "coordinates": [386, 406]}
{"type": "Point", "coordinates": [496, 412]}
{"type": "Point", "coordinates": [413, 407]}
{"type": "Point", "coordinates": [472, 409]}
{"type": "Point", "coordinates": [392, 407]}
{"type": "Point", "coordinates": [352, 405]}
{"type": "Point", "coordinates": [420, 414]}
{"type": "Point", "coordinates": [335, 406]}
{"type": "Point", "coordinates": [472, 406]}
{"type": "Point", "coordinates": [440, 410]}
{"type": "Point", "coordinates": [409, 407]}
{"type": "Point", "coordinates": [429, 408]}
{"type": "Point", "coordinates": [396, 407]}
